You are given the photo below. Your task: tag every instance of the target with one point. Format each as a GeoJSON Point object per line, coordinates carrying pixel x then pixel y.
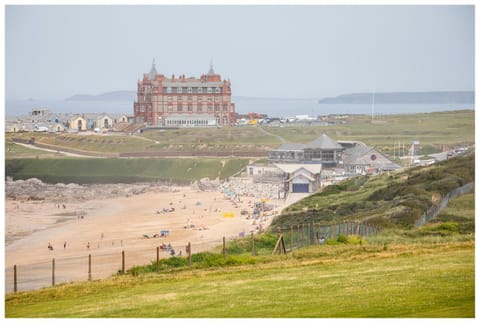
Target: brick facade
{"type": "Point", "coordinates": [159, 97]}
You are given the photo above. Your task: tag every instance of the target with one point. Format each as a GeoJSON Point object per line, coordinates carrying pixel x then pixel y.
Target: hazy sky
{"type": "Point", "coordinates": [53, 52]}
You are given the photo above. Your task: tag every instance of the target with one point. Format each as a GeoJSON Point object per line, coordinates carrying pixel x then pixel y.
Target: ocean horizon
{"type": "Point", "coordinates": [272, 107]}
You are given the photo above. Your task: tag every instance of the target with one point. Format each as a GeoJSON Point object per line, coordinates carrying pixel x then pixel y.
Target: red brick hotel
{"type": "Point", "coordinates": [184, 101]}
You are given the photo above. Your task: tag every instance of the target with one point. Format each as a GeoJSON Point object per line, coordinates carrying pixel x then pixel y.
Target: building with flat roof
{"type": "Point", "coordinates": [160, 98]}
{"type": "Point", "coordinates": [323, 150]}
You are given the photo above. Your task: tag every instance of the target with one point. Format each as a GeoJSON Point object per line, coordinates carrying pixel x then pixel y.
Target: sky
{"type": "Point", "coordinates": [291, 51]}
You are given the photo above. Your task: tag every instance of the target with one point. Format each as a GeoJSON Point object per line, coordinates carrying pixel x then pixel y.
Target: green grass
{"type": "Point", "coordinates": [433, 130]}
{"type": "Point", "coordinates": [93, 170]}
{"type": "Point", "coordinates": [418, 280]}
{"type": "Point", "coordinates": [388, 201]}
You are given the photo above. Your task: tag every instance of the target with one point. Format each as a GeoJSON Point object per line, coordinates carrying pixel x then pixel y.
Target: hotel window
{"type": "Point", "coordinates": [190, 108]}
{"type": "Point", "coordinates": [169, 90]}
{"type": "Point", "coordinates": [225, 108]}
{"type": "Point", "coordinates": [189, 90]}
{"type": "Point", "coordinates": [142, 109]}
{"type": "Point", "coordinates": [199, 90]}
{"type": "Point", "coordinates": [209, 108]}
{"type": "Point", "coordinates": [169, 108]}
{"type": "Point", "coordinates": [225, 120]}
{"type": "Point", "coordinates": [189, 98]}
{"type": "Point", "coordinates": [209, 90]}
{"type": "Point", "coordinates": [217, 99]}
{"type": "Point", "coordinates": [179, 98]}
{"type": "Point", "coordinates": [217, 90]}
{"type": "Point", "coordinates": [217, 108]}
{"type": "Point", "coordinates": [199, 108]}
{"type": "Point", "coordinates": [209, 99]}
{"type": "Point", "coordinates": [180, 108]}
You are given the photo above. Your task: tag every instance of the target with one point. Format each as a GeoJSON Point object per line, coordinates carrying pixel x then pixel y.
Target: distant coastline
{"type": "Point", "coordinates": [444, 97]}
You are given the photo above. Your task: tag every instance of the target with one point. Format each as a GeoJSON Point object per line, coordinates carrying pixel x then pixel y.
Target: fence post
{"type": "Point", "coordinates": [303, 232]}
{"type": "Point", "coordinates": [189, 251]}
{"type": "Point", "coordinates": [15, 278]}
{"type": "Point", "coordinates": [253, 245]}
{"type": "Point", "coordinates": [224, 250]}
{"type": "Point", "coordinates": [89, 267]}
{"type": "Point", "coordinates": [308, 234]}
{"type": "Point", "coordinates": [291, 238]}
{"type": "Point", "coordinates": [158, 258]}
{"type": "Point", "coordinates": [123, 262]}
{"type": "Point", "coordinates": [53, 272]}
{"type": "Point", "coordinates": [298, 236]}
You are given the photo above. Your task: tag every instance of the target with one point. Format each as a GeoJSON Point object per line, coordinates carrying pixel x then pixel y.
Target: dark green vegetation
{"type": "Point", "coordinates": [387, 201]}
{"type": "Point", "coordinates": [94, 170]}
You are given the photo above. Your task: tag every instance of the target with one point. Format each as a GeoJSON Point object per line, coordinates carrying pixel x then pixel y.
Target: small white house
{"type": "Point", "coordinates": [78, 123]}
{"type": "Point", "coordinates": [301, 178]}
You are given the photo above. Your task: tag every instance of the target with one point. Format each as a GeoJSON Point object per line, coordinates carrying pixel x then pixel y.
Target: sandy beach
{"type": "Point", "coordinates": [106, 227]}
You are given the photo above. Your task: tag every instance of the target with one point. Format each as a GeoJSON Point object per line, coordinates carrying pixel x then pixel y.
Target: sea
{"type": "Point", "coordinates": [272, 107]}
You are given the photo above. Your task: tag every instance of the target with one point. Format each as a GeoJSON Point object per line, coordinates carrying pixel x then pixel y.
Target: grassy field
{"type": "Point", "coordinates": [433, 130]}
{"type": "Point", "coordinates": [94, 170]}
{"type": "Point", "coordinates": [417, 280]}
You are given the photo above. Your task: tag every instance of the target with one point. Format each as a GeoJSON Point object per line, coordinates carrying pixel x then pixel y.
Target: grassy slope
{"type": "Point", "coordinates": [419, 280]}
{"type": "Point", "coordinates": [91, 170]}
{"type": "Point", "coordinates": [387, 200]}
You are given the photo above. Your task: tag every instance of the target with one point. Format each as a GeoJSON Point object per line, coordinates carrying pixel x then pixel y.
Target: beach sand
{"type": "Point", "coordinates": [110, 226]}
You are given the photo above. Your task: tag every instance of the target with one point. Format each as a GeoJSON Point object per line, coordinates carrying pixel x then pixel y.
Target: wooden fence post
{"type": "Point", "coordinates": [303, 232]}
{"type": "Point", "coordinates": [298, 236]}
{"type": "Point", "coordinates": [253, 245]}
{"type": "Point", "coordinates": [189, 251]}
{"type": "Point", "coordinates": [15, 278]}
{"type": "Point", "coordinates": [291, 238]}
{"type": "Point", "coordinates": [89, 267]}
{"type": "Point", "coordinates": [224, 249]}
{"type": "Point", "coordinates": [158, 258]}
{"type": "Point", "coordinates": [53, 272]}
{"type": "Point", "coordinates": [308, 234]}
{"type": "Point", "coordinates": [123, 262]}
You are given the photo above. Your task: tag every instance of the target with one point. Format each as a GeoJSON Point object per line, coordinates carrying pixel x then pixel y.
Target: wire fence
{"type": "Point", "coordinates": [99, 264]}
{"type": "Point", "coordinates": [96, 264]}
{"type": "Point", "coordinates": [306, 234]}
{"type": "Point", "coordinates": [433, 211]}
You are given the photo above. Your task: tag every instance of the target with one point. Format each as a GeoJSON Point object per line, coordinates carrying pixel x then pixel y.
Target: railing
{"type": "Point", "coordinates": [433, 211]}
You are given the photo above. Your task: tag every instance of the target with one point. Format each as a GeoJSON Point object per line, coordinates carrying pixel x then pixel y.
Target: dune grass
{"type": "Point", "coordinates": [416, 280]}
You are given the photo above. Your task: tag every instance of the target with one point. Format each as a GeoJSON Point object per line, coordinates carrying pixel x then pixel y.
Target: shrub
{"type": "Point", "coordinates": [342, 238]}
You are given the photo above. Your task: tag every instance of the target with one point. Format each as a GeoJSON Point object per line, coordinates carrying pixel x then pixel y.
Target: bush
{"type": "Point", "coordinates": [342, 239]}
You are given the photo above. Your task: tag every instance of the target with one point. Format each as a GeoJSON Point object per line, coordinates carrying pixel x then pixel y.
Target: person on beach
{"type": "Point", "coordinates": [88, 245]}
{"type": "Point", "coordinates": [65, 245]}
